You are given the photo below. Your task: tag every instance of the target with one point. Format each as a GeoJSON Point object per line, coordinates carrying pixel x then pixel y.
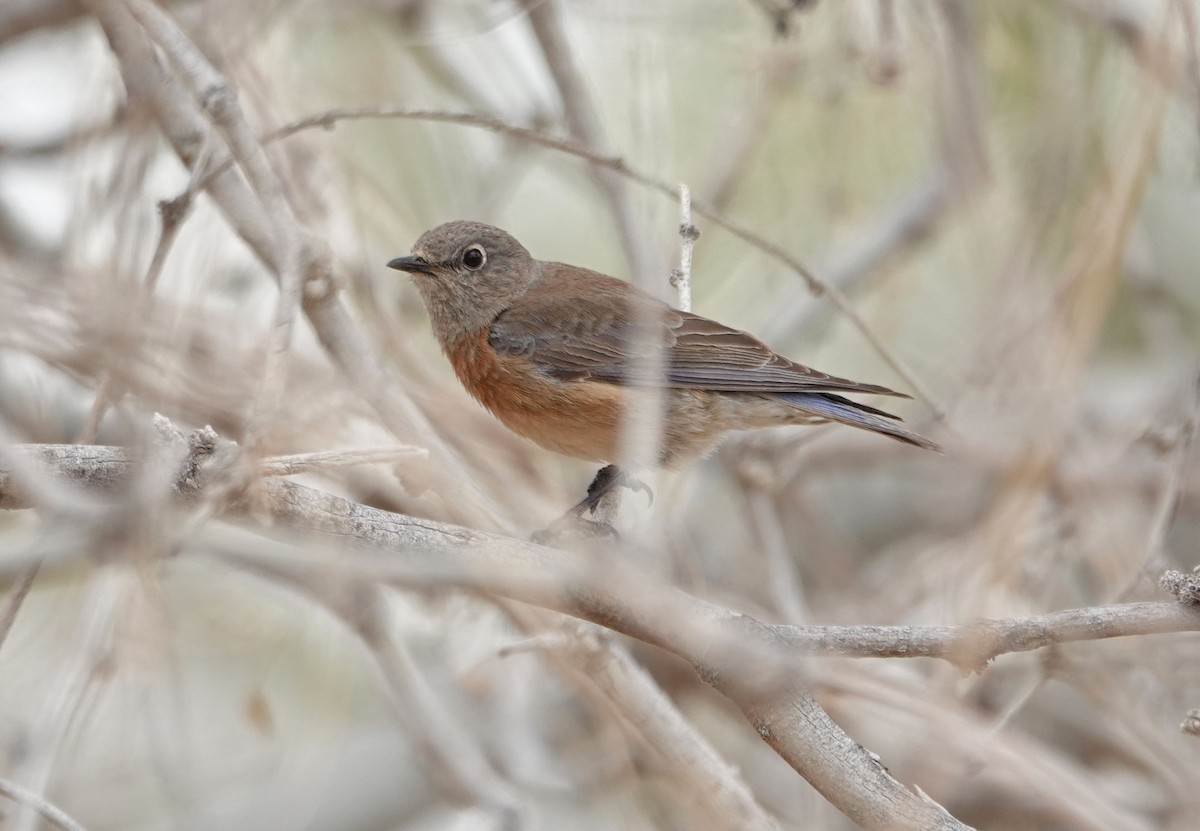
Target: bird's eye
{"type": "Point", "coordinates": [474, 257]}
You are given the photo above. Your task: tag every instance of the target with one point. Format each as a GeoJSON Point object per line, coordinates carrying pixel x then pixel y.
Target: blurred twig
{"type": "Point", "coordinates": [48, 810]}
{"type": "Point", "coordinates": [959, 171]}
{"type": "Point", "coordinates": [67, 697]}
{"type": "Point", "coordinates": [1054, 788]}
{"type": "Point", "coordinates": [171, 214]}
{"type": "Point", "coordinates": [721, 794]}
{"type": "Point", "coordinates": [15, 597]}
{"type": "Point", "coordinates": [218, 100]}
{"type": "Point", "coordinates": [1168, 500]}
{"type": "Point", "coordinates": [20, 17]}
{"type": "Point", "coordinates": [465, 771]}
{"type": "Point", "coordinates": [584, 127]}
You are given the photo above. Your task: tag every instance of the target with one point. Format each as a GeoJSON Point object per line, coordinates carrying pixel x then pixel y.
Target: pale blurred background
{"type": "Point", "coordinates": [1008, 192]}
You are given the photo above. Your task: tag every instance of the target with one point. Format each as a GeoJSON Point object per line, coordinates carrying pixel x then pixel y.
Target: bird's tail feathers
{"type": "Point", "coordinates": [845, 411]}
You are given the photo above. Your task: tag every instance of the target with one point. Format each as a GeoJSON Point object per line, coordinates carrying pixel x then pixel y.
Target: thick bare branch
{"type": "Point", "coordinates": [758, 666]}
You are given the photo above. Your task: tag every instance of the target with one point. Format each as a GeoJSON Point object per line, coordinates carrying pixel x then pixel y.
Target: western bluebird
{"type": "Point", "coordinates": [550, 350]}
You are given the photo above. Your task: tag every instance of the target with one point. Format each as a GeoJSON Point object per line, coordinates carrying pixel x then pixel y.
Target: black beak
{"type": "Point", "coordinates": [413, 265]}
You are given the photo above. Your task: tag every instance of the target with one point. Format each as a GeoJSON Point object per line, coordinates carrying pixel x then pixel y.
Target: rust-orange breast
{"type": "Point", "coordinates": [575, 418]}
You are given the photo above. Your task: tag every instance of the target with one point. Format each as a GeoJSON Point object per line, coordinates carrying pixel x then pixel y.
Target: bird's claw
{"type": "Point", "coordinates": [608, 478]}
{"type": "Point", "coordinates": [637, 485]}
{"type": "Point", "coordinates": [591, 519]}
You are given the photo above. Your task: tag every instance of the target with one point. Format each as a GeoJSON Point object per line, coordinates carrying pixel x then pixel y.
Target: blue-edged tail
{"type": "Point", "coordinates": [843, 410]}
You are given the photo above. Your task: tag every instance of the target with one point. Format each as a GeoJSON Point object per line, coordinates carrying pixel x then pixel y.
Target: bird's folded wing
{"type": "Point", "coordinates": [611, 332]}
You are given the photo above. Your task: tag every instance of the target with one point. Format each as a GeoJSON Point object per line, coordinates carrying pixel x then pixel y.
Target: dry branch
{"type": "Point", "coordinates": [50, 812]}
{"type": "Point", "coordinates": [733, 652]}
{"type": "Point", "coordinates": [758, 666]}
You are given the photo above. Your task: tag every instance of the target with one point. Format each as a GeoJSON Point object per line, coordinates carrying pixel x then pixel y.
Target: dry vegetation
{"type": "Point", "coordinates": [262, 563]}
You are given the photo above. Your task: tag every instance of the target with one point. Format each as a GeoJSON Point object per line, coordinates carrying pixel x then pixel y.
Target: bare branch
{"type": "Point", "coordinates": [722, 795]}
{"type": "Point", "coordinates": [681, 278]}
{"type": "Point", "coordinates": [736, 654]}
{"type": "Point", "coordinates": [306, 462]}
{"type": "Point", "coordinates": [48, 810]}
{"type": "Point", "coordinates": [756, 665]}
{"type": "Point", "coordinates": [1168, 501]}
{"type": "Point", "coordinates": [445, 555]}
{"type": "Point", "coordinates": [13, 600]}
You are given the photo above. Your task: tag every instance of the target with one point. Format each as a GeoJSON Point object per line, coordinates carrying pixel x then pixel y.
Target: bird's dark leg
{"type": "Point", "coordinates": [594, 513]}
{"type": "Point", "coordinates": [607, 478]}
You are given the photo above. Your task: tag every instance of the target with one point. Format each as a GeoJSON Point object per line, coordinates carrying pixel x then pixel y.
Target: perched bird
{"type": "Point", "coordinates": [550, 350]}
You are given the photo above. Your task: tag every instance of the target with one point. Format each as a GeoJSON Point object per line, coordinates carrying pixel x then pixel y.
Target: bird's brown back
{"type": "Point", "coordinates": [575, 324]}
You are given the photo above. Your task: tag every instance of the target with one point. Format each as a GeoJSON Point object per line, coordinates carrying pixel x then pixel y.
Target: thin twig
{"type": "Point", "coordinates": [681, 278]}
{"type": "Point", "coordinates": [49, 811]}
{"type": "Point", "coordinates": [14, 599]}
{"type": "Point", "coordinates": [584, 126]}
{"type": "Point", "coordinates": [172, 214]}
{"type": "Point", "coordinates": [218, 100]}
{"type": "Point", "coordinates": [1168, 499]}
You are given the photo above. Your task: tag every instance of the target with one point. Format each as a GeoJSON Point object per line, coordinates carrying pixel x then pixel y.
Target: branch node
{"type": "Point", "coordinates": [1185, 587]}
{"type": "Point", "coordinates": [218, 100]}
{"type": "Point", "coordinates": [1191, 723]}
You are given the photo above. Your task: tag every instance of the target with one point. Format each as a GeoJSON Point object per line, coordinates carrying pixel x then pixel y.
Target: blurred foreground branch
{"type": "Point", "coordinates": [758, 666]}
{"type": "Point", "coordinates": [51, 813]}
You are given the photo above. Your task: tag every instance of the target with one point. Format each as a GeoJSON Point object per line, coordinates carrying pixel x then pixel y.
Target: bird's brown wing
{"type": "Point", "coordinates": [587, 325]}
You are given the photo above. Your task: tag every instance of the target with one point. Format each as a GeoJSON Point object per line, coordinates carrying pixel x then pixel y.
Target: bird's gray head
{"type": "Point", "coordinates": [467, 273]}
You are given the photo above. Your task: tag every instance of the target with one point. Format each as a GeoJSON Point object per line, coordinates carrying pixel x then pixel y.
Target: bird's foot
{"type": "Point", "coordinates": [608, 479]}
{"type": "Point", "coordinates": [592, 518]}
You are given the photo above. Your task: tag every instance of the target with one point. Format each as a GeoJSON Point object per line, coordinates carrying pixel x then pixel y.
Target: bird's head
{"type": "Point", "coordinates": [467, 274]}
